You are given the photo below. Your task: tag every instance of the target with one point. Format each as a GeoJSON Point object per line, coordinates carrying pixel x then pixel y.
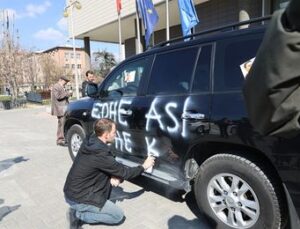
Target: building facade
{"type": "Point", "coordinates": [98, 20]}
{"type": "Point", "coordinates": [64, 58]}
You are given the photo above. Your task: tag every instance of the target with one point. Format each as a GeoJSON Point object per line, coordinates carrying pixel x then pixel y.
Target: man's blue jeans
{"type": "Point", "coordinates": [109, 214]}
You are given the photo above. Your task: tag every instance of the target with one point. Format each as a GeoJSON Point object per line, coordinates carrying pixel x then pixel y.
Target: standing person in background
{"type": "Point", "coordinates": [59, 101]}
{"type": "Point", "coordinates": [90, 78]}
{"type": "Point", "coordinates": [92, 175]}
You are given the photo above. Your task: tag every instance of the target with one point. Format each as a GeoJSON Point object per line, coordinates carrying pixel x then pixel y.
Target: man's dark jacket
{"type": "Point", "coordinates": [88, 181]}
{"type": "Point", "coordinates": [83, 88]}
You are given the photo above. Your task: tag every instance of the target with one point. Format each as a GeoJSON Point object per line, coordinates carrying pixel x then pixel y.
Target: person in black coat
{"type": "Point", "coordinates": [271, 89]}
{"type": "Point", "coordinates": [90, 78]}
{"type": "Point", "coordinates": [93, 173]}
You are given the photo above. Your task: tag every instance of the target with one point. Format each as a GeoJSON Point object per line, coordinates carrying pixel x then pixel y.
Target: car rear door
{"type": "Point", "coordinates": [173, 109]}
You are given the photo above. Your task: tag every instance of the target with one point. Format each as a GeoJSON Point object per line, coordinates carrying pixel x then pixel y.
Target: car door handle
{"type": "Point", "coordinates": [125, 112]}
{"type": "Point", "coordinates": [188, 115]}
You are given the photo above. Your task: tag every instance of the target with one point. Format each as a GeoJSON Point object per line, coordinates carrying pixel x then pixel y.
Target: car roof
{"type": "Point", "coordinates": [208, 36]}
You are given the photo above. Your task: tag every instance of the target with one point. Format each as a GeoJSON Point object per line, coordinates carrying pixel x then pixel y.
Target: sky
{"type": "Point", "coordinates": [41, 25]}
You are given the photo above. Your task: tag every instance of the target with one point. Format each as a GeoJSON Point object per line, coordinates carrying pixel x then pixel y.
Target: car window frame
{"type": "Point", "coordinates": [120, 68]}
{"type": "Point", "coordinates": [169, 51]}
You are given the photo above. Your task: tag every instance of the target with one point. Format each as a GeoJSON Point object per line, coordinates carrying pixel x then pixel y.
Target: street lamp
{"type": "Point", "coordinates": [71, 6]}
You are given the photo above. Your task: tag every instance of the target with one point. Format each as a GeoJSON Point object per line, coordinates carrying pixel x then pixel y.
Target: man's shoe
{"type": "Point", "coordinates": [61, 143]}
{"type": "Point", "coordinates": [74, 222]}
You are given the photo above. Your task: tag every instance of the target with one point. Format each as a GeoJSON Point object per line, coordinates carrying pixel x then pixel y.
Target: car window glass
{"type": "Point", "coordinates": [172, 72]}
{"type": "Point", "coordinates": [125, 82]}
{"type": "Point", "coordinates": [230, 55]}
{"type": "Point", "coordinates": [202, 73]}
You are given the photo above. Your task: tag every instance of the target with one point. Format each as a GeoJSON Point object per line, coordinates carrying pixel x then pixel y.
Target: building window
{"type": "Point", "coordinates": [73, 66]}
{"type": "Point", "coordinates": [72, 55]}
{"type": "Point", "coordinates": [78, 55]}
{"type": "Point", "coordinates": [79, 66]}
{"type": "Point", "coordinates": [67, 66]}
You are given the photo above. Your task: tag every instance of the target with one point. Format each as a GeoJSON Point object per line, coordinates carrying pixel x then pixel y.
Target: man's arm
{"type": "Point", "coordinates": [59, 93]}
{"type": "Point", "coordinates": [108, 164]}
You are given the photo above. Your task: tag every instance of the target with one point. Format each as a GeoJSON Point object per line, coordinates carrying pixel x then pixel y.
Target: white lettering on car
{"type": "Point", "coordinates": [110, 110]}
{"type": "Point", "coordinates": [175, 128]}
{"type": "Point", "coordinates": [123, 140]}
{"type": "Point", "coordinates": [122, 104]}
{"type": "Point", "coordinates": [184, 132]}
{"type": "Point", "coordinates": [151, 147]}
{"type": "Point", "coordinates": [115, 111]}
{"type": "Point", "coordinates": [153, 115]}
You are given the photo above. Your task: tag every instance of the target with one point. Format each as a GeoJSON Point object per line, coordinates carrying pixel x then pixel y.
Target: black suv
{"type": "Point", "coordinates": [181, 101]}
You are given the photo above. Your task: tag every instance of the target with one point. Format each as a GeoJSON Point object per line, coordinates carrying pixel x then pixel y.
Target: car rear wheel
{"type": "Point", "coordinates": [75, 138]}
{"type": "Point", "coordinates": [236, 193]}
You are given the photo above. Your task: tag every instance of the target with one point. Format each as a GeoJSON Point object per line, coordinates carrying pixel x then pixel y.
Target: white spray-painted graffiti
{"type": "Point", "coordinates": [112, 110]}
{"type": "Point", "coordinates": [123, 142]}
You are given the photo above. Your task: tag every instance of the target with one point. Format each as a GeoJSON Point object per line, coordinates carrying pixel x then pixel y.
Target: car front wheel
{"type": "Point", "coordinates": [75, 138]}
{"type": "Point", "coordinates": [235, 193]}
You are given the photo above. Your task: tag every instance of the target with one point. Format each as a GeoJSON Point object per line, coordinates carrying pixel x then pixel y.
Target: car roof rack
{"type": "Point", "coordinates": [232, 26]}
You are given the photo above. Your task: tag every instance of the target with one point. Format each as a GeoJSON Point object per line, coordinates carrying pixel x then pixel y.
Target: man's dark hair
{"type": "Point", "coordinates": [89, 72]}
{"type": "Point", "coordinates": [103, 125]}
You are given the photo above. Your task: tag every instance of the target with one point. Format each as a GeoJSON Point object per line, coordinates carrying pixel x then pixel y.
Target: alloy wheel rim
{"type": "Point", "coordinates": [76, 142]}
{"type": "Point", "coordinates": [233, 200]}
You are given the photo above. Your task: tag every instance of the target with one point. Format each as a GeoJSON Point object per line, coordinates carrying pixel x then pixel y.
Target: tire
{"type": "Point", "coordinates": [75, 138]}
{"type": "Point", "coordinates": [253, 202]}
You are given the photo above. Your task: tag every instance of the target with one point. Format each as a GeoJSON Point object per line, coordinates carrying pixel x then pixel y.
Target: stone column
{"type": "Point", "coordinates": [87, 50]}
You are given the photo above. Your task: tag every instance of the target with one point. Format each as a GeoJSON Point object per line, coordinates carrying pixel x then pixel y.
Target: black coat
{"type": "Point", "coordinates": [83, 88]}
{"type": "Point", "coordinates": [271, 89]}
{"type": "Point", "coordinates": [88, 180]}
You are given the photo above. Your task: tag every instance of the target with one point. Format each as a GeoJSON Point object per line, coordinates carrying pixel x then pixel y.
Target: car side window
{"type": "Point", "coordinates": [201, 80]}
{"type": "Point", "coordinates": [125, 81]}
{"type": "Point", "coordinates": [172, 72]}
{"type": "Point", "coordinates": [230, 55]}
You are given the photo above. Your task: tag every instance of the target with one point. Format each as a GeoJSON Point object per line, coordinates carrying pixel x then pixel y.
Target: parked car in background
{"type": "Point", "coordinates": [181, 101]}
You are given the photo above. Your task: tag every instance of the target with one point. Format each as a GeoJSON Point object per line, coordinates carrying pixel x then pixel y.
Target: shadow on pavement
{"type": "Point", "coordinates": [159, 188]}
{"type": "Point", "coordinates": [5, 210]}
{"type": "Point", "coordinates": [5, 164]}
{"type": "Point", "coordinates": [179, 222]}
{"type": "Point", "coordinates": [177, 196]}
{"type": "Point", "coordinates": [118, 194]}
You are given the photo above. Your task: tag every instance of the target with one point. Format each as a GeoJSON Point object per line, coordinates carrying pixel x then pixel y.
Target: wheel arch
{"type": "Point", "coordinates": [203, 151]}
{"type": "Point", "coordinates": [69, 123]}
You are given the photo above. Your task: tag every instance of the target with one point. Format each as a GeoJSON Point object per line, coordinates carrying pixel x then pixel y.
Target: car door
{"type": "Point", "coordinates": [229, 116]}
{"type": "Point", "coordinates": [118, 93]}
{"type": "Point", "coordinates": [167, 113]}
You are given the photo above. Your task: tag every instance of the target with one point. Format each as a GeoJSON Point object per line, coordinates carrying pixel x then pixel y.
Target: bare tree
{"type": "Point", "coordinates": [11, 57]}
{"type": "Point", "coordinates": [105, 60]}
{"type": "Point", "coordinates": [50, 69]}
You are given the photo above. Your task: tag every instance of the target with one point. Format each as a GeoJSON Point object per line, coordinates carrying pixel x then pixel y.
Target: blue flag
{"type": "Point", "coordinates": [188, 16]}
{"type": "Point", "coordinates": [149, 16]}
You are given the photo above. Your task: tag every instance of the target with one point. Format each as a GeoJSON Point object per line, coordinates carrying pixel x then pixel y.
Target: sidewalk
{"type": "Point", "coordinates": [32, 174]}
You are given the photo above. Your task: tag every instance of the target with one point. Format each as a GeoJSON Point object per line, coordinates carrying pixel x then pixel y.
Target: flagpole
{"type": "Point", "coordinates": [167, 21]}
{"type": "Point", "coordinates": [138, 28]}
{"type": "Point", "coordinates": [120, 37]}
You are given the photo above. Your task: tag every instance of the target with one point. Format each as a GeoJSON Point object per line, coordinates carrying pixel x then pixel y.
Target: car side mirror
{"type": "Point", "coordinates": [92, 90]}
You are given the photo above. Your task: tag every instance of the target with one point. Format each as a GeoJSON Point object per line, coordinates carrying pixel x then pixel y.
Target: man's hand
{"type": "Point", "coordinates": [115, 181]}
{"type": "Point", "coordinates": [149, 162]}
